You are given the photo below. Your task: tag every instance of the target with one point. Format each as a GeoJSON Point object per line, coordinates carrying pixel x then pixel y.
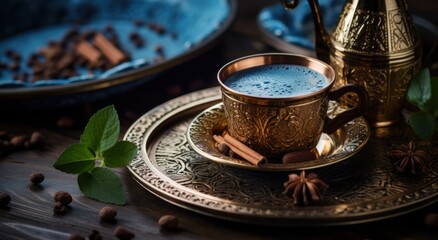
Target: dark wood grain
{"type": "Point", "coordinates": [32, 205]}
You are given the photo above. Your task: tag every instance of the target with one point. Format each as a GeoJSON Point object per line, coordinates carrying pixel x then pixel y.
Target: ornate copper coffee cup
{"type": "Point", "coordinates": [274, 126]}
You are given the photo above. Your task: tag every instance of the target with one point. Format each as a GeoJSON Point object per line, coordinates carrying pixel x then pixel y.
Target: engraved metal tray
{"type": "Point", "coordinates": [364, 188]}
{"type": "Point", "coordinates": [331, 148]}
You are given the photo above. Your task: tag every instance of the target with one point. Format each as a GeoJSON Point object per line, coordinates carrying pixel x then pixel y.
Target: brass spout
{"type": "Point", "coordinates": [322, 38]}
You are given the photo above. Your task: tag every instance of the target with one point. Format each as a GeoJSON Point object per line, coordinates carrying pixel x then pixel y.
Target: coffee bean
{"type": "Point", "coordinates": [63, 197]}
{"type": "Point", "coordinates": [298, 156]}
{"type": "Point", "coordinates": [32, 60]}
{"type": "Point", "coordinates": [89, 34]}
{"type": "Point", "coordinates": [123, 233]}
{"type": "Point", "coordinates": [9, 53]}
{"type": "Point", "coordinates": [37, 140]}
{"type": "Point", "coordinates": [23, 77]}
{"type": "Point", "coordinates": [76, 236]}
{"type": "Point", "coordinates": [109, 29]}
{"type": "Point", "coordinates": [19, 141]}
{"type": "Point", "coordinates": [36, 178]}
{"type": "Point", "coordinates": [107, 214]}
{"type": "Point", "coordinates": [159, 49]}
{"type": "Point", "coordinates": [222, 148]}
{"type": "Point", "coordinates": [59, 209]}
{"type": "Point", "coordinates": [168, 222]}
{"type": "Point", "coordinates": [5, 199]}
{"type": "Point", "coordinates": [136, 39]}
{"type": "Point", "coordinates": [158, 28]}
{"type": "Point", "coordinates": [14, 66]}
{"type": "Point", "coordinates": [95, 235]}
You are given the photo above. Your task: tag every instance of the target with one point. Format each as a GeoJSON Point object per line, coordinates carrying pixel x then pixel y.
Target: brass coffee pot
{"type": "Point", "coordinates": [375, 45]}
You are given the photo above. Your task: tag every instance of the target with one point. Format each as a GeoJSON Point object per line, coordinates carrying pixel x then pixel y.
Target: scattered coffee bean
{"type": "Point", "coordinates": [159, 49]}
{"type": "Point", "coordinates": [123, 233]}
{"type": "Point", "coordinates": [88, 35]}
{"type": "Point", "coordinates": [63, 197]}
{"type": "Point", "coordinates": [69, 37]}
{"type": "Point", "coordinates": [22, 77]}
{"type": "Point", "coordinates": [431, 220]}
{"type": "Point", "coordinates": [158, 28]}
{"type": "Point", "coordinates": [12, 54]}
{"type": "Point", "coordinates": [36, 178]}
{"type": "Point", "coordinates": [65, 122]}
{"type": "Point", "coordinates": [19, 141]}
{"type": "Point", "coordinates": [298, 156]}
{"type": "Point", "coordinates": [38, 68]}
{"type": "Point", "coordinates": [138, 22]}
{"type": "Point", "coordinates": [107, 214]}
{"type": "Point", "coordinates": [32, 60]}
{"type": "Point", "coordinates": [5, 199]}
{"type": "Point", "coordinates": [59, 209]}
{"type": "Point", "coordinates": [76, 236]}
{"type": "Point", "coordinates": [222, 148]}
{"type": "Point", "coordinates": [95, 235]}
{"type": "Point", "coordinates": [168, 222]}
{"type": "Point", "coordinates": [66, 62]}
{"type": "Point", "coordinates": [109, 29]}
{"type": "Point", "coordinates": [37, 140]}
{"type": "Point", "coordinates": [14, 66]}
{"type": "Point", "coordinates": [136, 39]}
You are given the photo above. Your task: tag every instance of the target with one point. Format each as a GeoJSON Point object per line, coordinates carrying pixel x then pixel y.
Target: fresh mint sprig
{"type": "Point", "coordinates": [99, 143]}
{"type": "Point", "coordinates": [423, 93]}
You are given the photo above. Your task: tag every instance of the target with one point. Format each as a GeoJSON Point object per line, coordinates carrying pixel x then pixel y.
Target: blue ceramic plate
{"type": "Point", "coordinates": [190, 26]}
{"type": "Point", "coordinates": [293, 30]}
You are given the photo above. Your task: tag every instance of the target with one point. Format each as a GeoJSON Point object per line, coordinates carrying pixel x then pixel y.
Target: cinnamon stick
{"type": "Point", "coordinates": [88, 52]}
{"type": "Point", "coordinates": [241, 149]}
{"type": "Point", "coordinates": [114, 55]}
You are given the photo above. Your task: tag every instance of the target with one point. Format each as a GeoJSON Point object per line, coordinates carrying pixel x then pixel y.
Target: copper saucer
{"type": "Point", "coordinates": [333, 148]}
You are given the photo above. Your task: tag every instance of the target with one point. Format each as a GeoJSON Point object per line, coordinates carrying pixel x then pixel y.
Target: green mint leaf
{"type": "Point", "coordinates": [102, 130]}
{"type": "Point", "coordinates": [103, 185]}
{"type": "Point", "coordinates": [77, 158]}
{"type": "Point", "coordinates": [120, 155]}
{"type": "Point", "coordinates": [419, 91]}
{"type": "Point", "coordinates": [433, 104]}
{"type": "Point", "coordinates": [423, 124]}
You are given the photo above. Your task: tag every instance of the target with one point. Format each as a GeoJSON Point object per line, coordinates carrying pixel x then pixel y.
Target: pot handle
{"type": "Point", "coordinates": [331, 125]}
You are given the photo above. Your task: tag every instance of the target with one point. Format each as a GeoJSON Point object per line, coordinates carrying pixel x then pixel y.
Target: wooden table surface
{"type": "Point", "coordinates": [30, 213]}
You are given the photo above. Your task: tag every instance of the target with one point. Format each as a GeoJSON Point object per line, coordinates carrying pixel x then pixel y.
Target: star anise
{"type": "Point", "coordinates": [408, 158]}
{"type": "Point", "coordinates": [305, 190]}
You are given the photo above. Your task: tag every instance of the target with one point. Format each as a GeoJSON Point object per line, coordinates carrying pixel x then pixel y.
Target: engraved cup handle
{"type": "Point", "coordinates": [332, 125]}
